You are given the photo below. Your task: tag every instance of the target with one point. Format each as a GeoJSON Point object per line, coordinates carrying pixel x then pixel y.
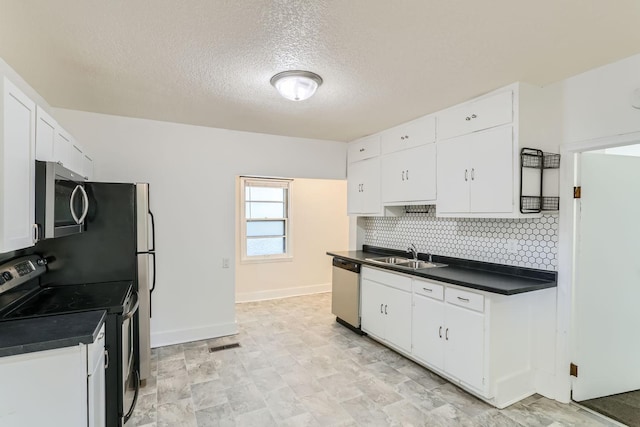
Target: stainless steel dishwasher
{"type": "Point", "coordinates": [345, 298]}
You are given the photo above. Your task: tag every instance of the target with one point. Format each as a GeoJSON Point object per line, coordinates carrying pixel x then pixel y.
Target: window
{"type": "Point", "coordinates": [265, 218]}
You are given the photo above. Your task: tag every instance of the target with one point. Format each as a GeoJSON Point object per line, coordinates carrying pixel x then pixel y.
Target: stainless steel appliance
{"type": "Point", "coordinates": [22, 295]}
{"type": "Point", "coordinates": [62, 203]}
{"type": "Point", "coordinates": [117, 245]}
{"type": "Point", "coordinates": [345, 296]}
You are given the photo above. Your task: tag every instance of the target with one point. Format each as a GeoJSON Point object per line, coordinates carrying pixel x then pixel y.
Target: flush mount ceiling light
{"type": "Point", "coordinates": [296, 85]}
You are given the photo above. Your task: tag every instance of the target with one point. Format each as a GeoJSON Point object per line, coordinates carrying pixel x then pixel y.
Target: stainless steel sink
{"type": "Point", "coordinates": [417, 265]}
{"type": "Point", "coordinates": [389, 260]}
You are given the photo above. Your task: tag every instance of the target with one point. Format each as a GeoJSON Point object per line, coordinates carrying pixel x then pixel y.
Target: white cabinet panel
{"type": "Point", "coordinates": [477, 115]}
{"type": "Point", "coordinates": [397, 309]}
{"type": "Point", "coordinates": [372, 303]}
{"type": "Point", "coordinates": [364, 148]}
{"type": "Point", "coordinates": [476, 172]}
{"type": "Point", "coordinates": [412, 134]}
{"type": "Point", "coordinates": [87, 167]}
{"type": "Point", "coordinates": [464, 348]}
{"type": "Point", "coordinates": [363, 187]}
{"type": "Point", "coordinates": [45, 136]}
{"type": "Point", "coordinates": [428, 330]}
{"type": "Point", "coordinates": [17, 188]}
{"type": "Point", "coordinates": [409, 175]}
{"type": "Point", "coordinates": [63, 148]}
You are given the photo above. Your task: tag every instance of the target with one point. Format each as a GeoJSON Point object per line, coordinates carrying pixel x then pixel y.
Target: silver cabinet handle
{"type": "Point", "coordinates": [446, 334]}
{"type": "Point", "coordinates": [36, 233]}
{"type": "Point", "coordinates": [106, 359]}
{"type": "Point", "coordinates": [362, 187]}
{"type": "Point", "coordinates": [473, 116]}
{"type": "Point", "coordinates": [403, 175]}
{"type": "Point", "coordinates": [473, 174]}
{"type": "Point", "coordinates": [362, 150]}
{"type": "Point", "coordinates": [463, 299]}
{"type": "Point", "coordinates": [466, 174]}
{"type": "Point", "coordinates": [407, 174]}
{"type": "Point", "coordinates": [427, 290]}
{"type": "Point", "coordinates": [402, 138]}
{"type": "Point", "coordinates": [85, 208]}
{"type": "Point", "coordinates": [385, 309]}
{"type": "Point", "coordinates": [381, 308]}
{"type": "Point", "coordinates": [467, 118]}
{"type": "Point", "coordinates": [440, 332]}
{"type": "Point", "coordinates": [71, 200]}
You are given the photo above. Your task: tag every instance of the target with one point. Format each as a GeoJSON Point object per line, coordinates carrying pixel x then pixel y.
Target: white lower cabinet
{"type": "Point", "coordinates": [489, 344]}
{"type": "Point", "coordinates": [386, 309]}
{"type": "Point", "coordinates": [60, 387]}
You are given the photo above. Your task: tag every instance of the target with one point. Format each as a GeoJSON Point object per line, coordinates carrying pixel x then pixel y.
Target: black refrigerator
{"type": "Point", "coordinates": [117, 244]}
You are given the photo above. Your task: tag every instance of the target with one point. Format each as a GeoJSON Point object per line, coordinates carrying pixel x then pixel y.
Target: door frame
{"type": "Point", "coordinates": [568, 237]}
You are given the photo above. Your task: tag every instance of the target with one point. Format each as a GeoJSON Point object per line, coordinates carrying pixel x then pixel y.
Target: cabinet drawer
{"type": "Point", "coordinates": [485, 113]}
{"type": "Point", "coordinates": [364, 148]}
{"type": "Point", "coordinates": [428, 289]}
{"type": "Point", "coordinates": [412, 134]}
{"type": "Point", "coordinates": [390, 279]}
{"type": "Point", "coordinates": [465, 299]}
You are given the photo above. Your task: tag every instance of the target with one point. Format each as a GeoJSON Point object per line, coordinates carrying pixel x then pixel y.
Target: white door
{"type": "Point", "coordinates": [428, 330]}
{"type": "Point", "coordinates": [18, 170]}
{"type": "Point", "coordinates": [397, 310]}
{"type": "Point", "coordinates": [96, 392]}
{"type": "Point", "coordinates": [371, 186]}
{"type": "Point", "coordinates": [354, 188]}
{"type": "Point", "coordinates": [607, 288]}
{"type": "Point", "coordinates": [421, 173]}
{"type": "Point", "coordinates": [453, 176]}
{"type": "Point", "coordinates": [464, 345]}
{"type": "Point", "coordinates": [491, 174]}
{"type": "Point", "coordinates": [393, 168]}
{"type": "Point", "coordinates": [372, 308]}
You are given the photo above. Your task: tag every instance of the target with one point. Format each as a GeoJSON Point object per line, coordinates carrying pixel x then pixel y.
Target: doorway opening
{"type": "Point", "coordinates": [606, 289]}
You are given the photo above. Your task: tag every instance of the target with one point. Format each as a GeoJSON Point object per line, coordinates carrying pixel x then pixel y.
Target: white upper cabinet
{"type": "Point", "coordinates": [364, 148]}
{"type": "Point", "coordinates": [63, 148]}
{"type": "Point", "coordinates": [46, 128]}
{"type": "Point", "coordinates": [363, 177]}
{"type": "Point", "coordinates": [476, 173]}
{"type": "Point", "coordinates": [87, 167]}
{"type": "Point", "coordinates": [478, 151]}
{"type": "Point", "coordinates": [408, 135]}
{"type": "Point", "coordinates": [17, 169]}
{"type": "Point", "coordinates": [477, 115]}
{"type": "Point", "coordinates": [409, 176]}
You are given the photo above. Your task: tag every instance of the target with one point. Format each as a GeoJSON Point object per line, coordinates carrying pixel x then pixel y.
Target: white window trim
{"type": "Point", "coordinates": [276, 182]}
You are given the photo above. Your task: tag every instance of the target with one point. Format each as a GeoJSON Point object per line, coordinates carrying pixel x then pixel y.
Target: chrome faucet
{"type": "Point", "coordinates": [413, 250]}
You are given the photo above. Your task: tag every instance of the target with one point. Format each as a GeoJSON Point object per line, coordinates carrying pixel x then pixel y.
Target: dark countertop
{"type": "Point", "coordinates": [49, 332]}
{"type": "Point", "coordinates": [495, 278]}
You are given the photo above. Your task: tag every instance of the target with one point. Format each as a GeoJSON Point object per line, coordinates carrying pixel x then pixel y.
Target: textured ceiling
{"type": "Point", "coordinates": [208, 62]}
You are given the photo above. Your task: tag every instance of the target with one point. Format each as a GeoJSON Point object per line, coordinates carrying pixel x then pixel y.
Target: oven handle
{"type": "Point", "coordinates": [73, 212]}
{"type": "Point", "coordinates": [135, 397]}
{"type": "Point", "coordinates": [131, 312]}
{"type": "Point", "coordinates": [85, 209]}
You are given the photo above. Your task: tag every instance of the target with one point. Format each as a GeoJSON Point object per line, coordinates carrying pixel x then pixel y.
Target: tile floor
{"type": "Point", "coordinates": [297, 367]}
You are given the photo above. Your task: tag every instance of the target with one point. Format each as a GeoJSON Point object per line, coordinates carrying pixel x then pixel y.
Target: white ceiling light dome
{"type": "Point", "coordinates": [296, 85]}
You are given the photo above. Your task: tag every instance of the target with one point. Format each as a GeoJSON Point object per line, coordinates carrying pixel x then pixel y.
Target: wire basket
{"type": "Point", "coordinates": [535, 204]}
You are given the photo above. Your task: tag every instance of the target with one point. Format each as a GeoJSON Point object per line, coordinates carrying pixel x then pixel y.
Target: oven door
{"type": "Point", "coordinates": [130, 375]}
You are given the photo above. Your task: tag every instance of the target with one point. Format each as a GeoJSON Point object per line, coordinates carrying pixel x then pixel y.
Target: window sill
{"type": "Point", "coordinates": [260, 260]}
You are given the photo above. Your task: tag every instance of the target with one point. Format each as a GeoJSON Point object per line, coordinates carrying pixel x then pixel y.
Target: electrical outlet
{"type": "Point", "coordinates": [225, 262]}
{"type": "Point", "coordinates": [512, 246]}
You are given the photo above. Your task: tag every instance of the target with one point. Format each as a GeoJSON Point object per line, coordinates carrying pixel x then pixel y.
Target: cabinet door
{"type": "Point", "coordinates": [371, 186]}
{"type": "Point", "coordinates": [63, 148]}
{"type": "Point", "coordinates": [17, 170]}
{"type": "Point", "coordinates": [45, 136]}
{"type": "Point", "coordinates": [372, 308]}
{"type": "Point", "coordinates": [464, 345]}
{"type": "Point", "coordinates": [453, 176]}
{"type": "Point", "coordinates": [409, 175]}
{"type": "Point", "coordinates": [355, 174]}
{"type": "Point", "coordinates": [364, 148]}
{"type": "Point", "coordinates": [393, 168]}
{"type": "Point", "coordinates": [87, 167]}
{"type": "Point", "coordinates": [428, 330]}
{"type": "Point", "coordinates": [494, 110]}
{"type": "Point", "coordinates": [412, 134]}
{"type": "Point", "coordinates": [397, 310]}
{"type": "Point", "coordinates": [491, 174]}
{"type": "Point", "coordinates": [96, 389]}
{"type": "Point", "coordinates": [77, 159]}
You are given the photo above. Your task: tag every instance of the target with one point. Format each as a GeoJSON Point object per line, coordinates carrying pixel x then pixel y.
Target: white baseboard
{"type": "Point", "coordinates": [180, 336]}
{"type": "Point", "coordinates": [282, 293]}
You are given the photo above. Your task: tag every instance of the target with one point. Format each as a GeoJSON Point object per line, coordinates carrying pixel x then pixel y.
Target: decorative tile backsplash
{"type": "Point", "coordinates": [534, 240]}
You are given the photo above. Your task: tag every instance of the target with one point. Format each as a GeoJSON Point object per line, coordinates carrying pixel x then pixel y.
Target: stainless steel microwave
{"type": "Point", "coordinates": [61, 201]}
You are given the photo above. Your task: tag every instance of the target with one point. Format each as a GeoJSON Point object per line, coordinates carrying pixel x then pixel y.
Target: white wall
{"type": "Point", "coordinates": [319, 224]}
{"type": "Point", "coordinates": [192, 173]}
